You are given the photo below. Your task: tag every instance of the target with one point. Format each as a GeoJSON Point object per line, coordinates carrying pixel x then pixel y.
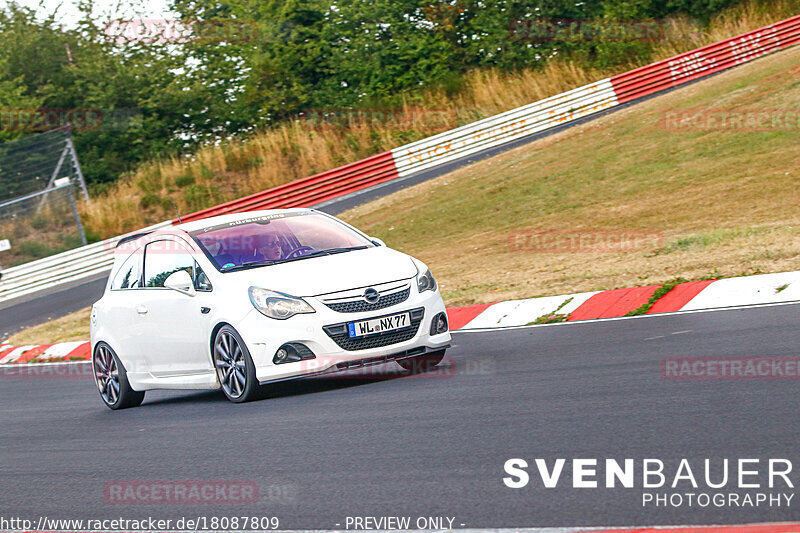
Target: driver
{"type": "Point", "coordinates": [269, 247]}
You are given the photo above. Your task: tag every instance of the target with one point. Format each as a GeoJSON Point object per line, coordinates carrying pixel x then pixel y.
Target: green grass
{"type": "Point", "coordinates": [724, 200]}
{"type": "Point", "coordinates": [656, 296]}
{"type": "Point", "coordinates": [555, 316]}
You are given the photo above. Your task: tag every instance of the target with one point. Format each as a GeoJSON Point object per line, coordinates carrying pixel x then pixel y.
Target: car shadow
{"type": "Point", "coordinates": [311, 385]}
{"type": "Point", "coordinates": [205, 396]}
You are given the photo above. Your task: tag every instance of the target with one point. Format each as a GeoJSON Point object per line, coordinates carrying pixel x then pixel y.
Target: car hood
{"type": "Point", "coordinates": [332, 273]}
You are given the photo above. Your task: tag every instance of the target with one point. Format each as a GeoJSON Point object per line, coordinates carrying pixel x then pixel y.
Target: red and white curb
{"type": "Point", "coordinates": [44, 353]}
{"type": "Point", "coordinates": [694, 295]}
{"type": "Point", "coordinates": [778, 288]}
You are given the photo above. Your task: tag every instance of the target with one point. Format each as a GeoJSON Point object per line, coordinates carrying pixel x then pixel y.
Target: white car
{"type": "Point", "coordinates": [238, 301]}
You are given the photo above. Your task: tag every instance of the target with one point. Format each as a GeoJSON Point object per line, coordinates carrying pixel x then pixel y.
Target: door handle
{"type": "Point", "coordinates": [142, 310]}
{"type": "Point", "coordinates": [205, 310]}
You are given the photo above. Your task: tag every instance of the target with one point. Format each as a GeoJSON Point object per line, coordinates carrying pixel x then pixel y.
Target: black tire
{"type": "Point", "coordinates": [112, 379]}
{"type": "Point", "coordinates": [421, 363]}
{"type": "Point", "coordinates": [234, 366]}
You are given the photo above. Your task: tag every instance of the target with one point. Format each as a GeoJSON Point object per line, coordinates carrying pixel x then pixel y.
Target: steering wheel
{"type": "Point", "coordinates": [301, 250]}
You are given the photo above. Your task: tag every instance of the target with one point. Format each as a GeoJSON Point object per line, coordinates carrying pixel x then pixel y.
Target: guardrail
{"type": "Point", "coordinates": [705, 61]}
{"type": "Point", "coordinates": [504, 128]}
{"type": "Point", "coordinates": [594, 98]}
{"type": "Point", "coordinates": [521, 122]}
{"type": "Point", "coordinates": [445, 147]}
{"type": "Point", "coordinates": [59, 269]}
{"type": "Point", "coordinates": [313, 190]}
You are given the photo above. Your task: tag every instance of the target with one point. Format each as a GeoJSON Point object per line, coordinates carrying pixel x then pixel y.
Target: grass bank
{"type": "Point", "coordinates": [73, 327]}
{"type": "Point", "coordinates": [688, 202]}
{"type": "Point", "coordinates": [215, 174]}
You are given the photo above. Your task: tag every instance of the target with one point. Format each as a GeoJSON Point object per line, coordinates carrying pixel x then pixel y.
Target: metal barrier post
{"type": "Point", "coordinates": [76, 214]}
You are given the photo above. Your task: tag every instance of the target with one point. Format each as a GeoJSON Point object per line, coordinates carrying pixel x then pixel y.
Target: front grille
{"type": "Point", "coordinates": [338, 332]}
{"type": "Point", "coordinates": [360, 306]}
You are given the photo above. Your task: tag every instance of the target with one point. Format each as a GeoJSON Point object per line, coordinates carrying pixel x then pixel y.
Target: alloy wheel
{"type": "Point", "coordinates": [230, 363]}
{"type": "Point", "coordinates": [107, 374]}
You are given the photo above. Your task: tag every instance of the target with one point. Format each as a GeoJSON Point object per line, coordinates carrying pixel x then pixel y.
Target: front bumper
{"type": "Point", "coordinates": [352, 364]}
{"type": "Point", "coordinates": [264, 336]}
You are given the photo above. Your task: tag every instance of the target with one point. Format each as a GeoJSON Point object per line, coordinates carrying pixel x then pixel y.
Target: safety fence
{"type": "Point", "coordinates": [455, 144]}
{"type": "Point", "coordinates": [67, 267]}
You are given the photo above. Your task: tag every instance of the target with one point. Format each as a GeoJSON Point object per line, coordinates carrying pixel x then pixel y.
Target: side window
{"type": "Point", "coordinates": [162, 258]}
{"type": "Point", "coordinates": [202, 283]}
{"type": "Point", "coordinates": [129, 275]}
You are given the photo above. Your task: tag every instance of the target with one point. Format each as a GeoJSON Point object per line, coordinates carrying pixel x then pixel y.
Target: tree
{"type": "Point", "coordinates": [13, 99]}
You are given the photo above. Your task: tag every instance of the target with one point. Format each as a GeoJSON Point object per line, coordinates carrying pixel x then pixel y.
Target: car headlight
{"type": "Point", "coordinates": [425, 281]}
{"type": "Point", "coordinates": [277, 305]}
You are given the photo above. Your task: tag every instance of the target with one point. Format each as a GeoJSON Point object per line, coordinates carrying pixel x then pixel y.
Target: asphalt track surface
{"type": "Point", "coordinates": [424, 445]}
{"type": "Point", "coordinates": [55, 303]}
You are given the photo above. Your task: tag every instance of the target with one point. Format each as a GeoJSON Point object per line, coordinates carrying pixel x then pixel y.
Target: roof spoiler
{"type": "Point", "coordinates": [130, 238]}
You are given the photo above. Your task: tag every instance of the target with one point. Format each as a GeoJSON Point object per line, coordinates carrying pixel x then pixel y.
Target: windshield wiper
{"type": "Point", "coordinates": [316, 253]}
{"type": "Point", "coordinates": [248, 265]}
{"type": "Point", "coordinates": [349, 249]}
{"type": "Point", "coordinates": [319, 253]}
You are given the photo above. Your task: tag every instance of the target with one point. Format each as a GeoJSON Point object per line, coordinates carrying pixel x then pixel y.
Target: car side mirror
{"type": "Point", "coordinates": [377, 241]}
{"type": "Point", "coordinates": [180, 281]}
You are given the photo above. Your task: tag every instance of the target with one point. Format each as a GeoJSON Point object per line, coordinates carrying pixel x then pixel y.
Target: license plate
{"type": "Point", "coordinates": [363, 328]}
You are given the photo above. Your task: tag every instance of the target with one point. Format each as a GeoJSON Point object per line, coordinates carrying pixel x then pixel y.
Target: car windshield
{"type": "Point", "coordinates": [280, 238]}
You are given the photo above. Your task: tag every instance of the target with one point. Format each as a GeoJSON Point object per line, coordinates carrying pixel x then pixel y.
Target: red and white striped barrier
{"type": "Point", "coordinates": [694, 295]}
{"type": "Point", "coordinates": [518, 123]}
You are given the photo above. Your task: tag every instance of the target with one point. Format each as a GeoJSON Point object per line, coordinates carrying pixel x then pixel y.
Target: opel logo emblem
{"type": "Point", "coordinates": [371, 295]}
